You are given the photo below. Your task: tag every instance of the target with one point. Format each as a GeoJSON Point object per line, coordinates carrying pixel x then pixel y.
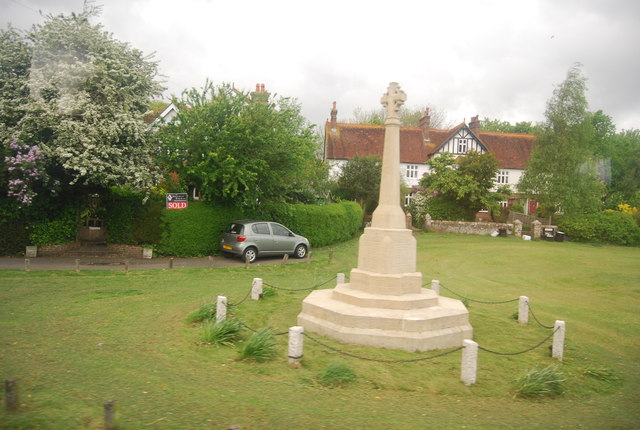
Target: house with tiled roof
{"type": "Point", "coordinates": [419, 144]}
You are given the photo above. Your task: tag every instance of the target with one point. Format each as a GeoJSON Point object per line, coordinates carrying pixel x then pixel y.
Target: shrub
{"type": "Point", "coordinates": [609, 226]}
{"type": "Point", "coordinates": [131, 220]}
{"type": "Point", "coordinates": [61, 229]}
{"type": "Point", "coordinates": [261, 346]}
{"type": "Point", "coordinates": [225, 332]}
{"type": "Point", "coordinates": [539, 382]}
{"type": "Point", "coordinates": [194, 231]}
{"type": "Point", "coordinates": [447, 210]}
{"type": "Point", "coordinates": [337, 374]}
{"type": "Point", "coordinates": [206, 312]}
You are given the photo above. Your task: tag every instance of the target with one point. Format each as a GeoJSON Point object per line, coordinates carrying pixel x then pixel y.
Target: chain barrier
{"type": "Point", "coordinates": [538, 321]}
{"type": "Point", "coordinates": [477, 301]}
{"type": "Point", "coordinates": [519, 352]}
{"type": "Point", "coordinates": [255, 331]}
{"type": "Point", "coordinates": [241, 301]}
{"type": "Point", "coordinates": [379, 360]}
{"type": "Point", "coordinates": [300, 289]}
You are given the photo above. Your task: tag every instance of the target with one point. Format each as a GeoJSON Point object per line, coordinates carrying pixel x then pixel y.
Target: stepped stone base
{"type": "Point", "coordinates": [419, 321]}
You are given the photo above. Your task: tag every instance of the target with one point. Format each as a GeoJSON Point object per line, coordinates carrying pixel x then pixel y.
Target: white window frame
{"type": "Point", "coordinates": [412, 171]}
{"type": "Point", "coordinates": [503, 177]}
{"type": "Point", "coordinates": [462, 145]}
{"type": "Point", "coordinates": [408, 198]}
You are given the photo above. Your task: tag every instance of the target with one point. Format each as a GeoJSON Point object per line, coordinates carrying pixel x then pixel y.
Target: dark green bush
{"type": "Point", "coordinates": [61, 229]}
{"type": "Point", "coordinates": [15, 242]}
{"type": "Point", "coordinates": [131, 220]}
{"type": "Point", "coordinates": [609, 227]}
{"type": "Point", "coordinates": [324, 225]}
{"type": "Point", "coordinates": [195, 231]}
{"type": "Point", "coordinates": [447, 210]}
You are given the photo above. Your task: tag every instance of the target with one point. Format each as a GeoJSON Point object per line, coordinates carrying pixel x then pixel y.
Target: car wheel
{"type": "Point", "coordinates": [250, 255]}
{"type": "Point", "coordinates": [300, 251]}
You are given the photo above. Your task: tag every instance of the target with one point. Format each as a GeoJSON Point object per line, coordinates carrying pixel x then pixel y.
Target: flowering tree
{"type": "Point", "coordinates": [81, 121]}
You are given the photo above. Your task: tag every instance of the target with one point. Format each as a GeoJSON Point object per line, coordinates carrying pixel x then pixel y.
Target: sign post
{"type": "Point", "coordinates": [177, 201]}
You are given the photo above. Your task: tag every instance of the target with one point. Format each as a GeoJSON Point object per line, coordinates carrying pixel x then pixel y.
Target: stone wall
{"type": "Point", "coordinates": [462, 227]}
{"type": "Point", "coordinates": [76, 249]}
{"type": "Point", "coordinates": [526, 219]}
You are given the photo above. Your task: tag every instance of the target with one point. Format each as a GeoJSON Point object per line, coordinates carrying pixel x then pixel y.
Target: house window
{"type": "Point", "coordinates": [503, 204]}
{"type": "Point", "coordinates": [503, 177]}
{"type": "Point", "coordinates": [412, 171]}
{"type": "Point", "coordinates": [408, 198]}
{"type": "Point", "coordinates": [462, 146]}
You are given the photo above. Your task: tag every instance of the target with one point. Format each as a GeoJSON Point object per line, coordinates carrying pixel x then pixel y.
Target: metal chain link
{"type": "Point", "coordinates": [378, 360]}
{"type": "Point", "coordinates": [534, 317]}
{"type": "Point", "coordinates": [300, 289]}
{"type": "Point", "coordinates": [478, 301]}
{"type": "Point", "coordinates": [255, 331]}
{"type": "Point", "coordinates": [520, 352]}
{"type": "Point", "coordinates": [241, 301]}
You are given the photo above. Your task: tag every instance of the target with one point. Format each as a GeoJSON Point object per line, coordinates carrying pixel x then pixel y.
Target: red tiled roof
{"type": "Point", "coordinates": [349, 140]}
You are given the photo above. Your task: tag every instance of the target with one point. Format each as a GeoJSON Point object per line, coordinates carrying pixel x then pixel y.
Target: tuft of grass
{"type": "Point", "coordinates": [336, 374]}
{"type": "Point", "coordinates": [603, 374]}
{"type": "Point", "coordinates": [269, 292]}
{"type": "Point", "coordinates": [540, 382]}
{"type": "Point", "coordinates": [261, 346]}
{"type": "Point", "coordinates": [206, 312]}
{"type": "Point", "coordinates": [225, 332]}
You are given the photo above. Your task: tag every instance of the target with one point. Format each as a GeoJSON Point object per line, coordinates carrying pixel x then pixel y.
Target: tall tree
{"type": "Point", "coordinates": [240, 148]}
{"type": "Point", "coordinates": [500, 126]}
{"type": "Point", "coordinates": [359, 180]}
{"type": "Point", "coordinates": [409, 117]}
{"type": "Point", "coordinates": [561, 173]}
{"type": "Point", "coordinates": [87, 93]}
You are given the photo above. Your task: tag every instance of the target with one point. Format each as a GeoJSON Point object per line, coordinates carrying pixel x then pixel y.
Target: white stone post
{"type": "Point", "coordinates": [221, 309]}
{"type": "Point", "coordinates": [536, 229]}
{"type": "Point", "coordinates": [557, 350]}
{"type": "Point", "coordinates": [523, 310]}
{"type": "Point", "coordinates": [517, 228]}
{"type": "Point", "coordinates": [256, 289]}
{"type": "Point", "coordinates": [340, 278]}
{"type": "Point", "coordinates": [435, 286]}
{"type": "Point", "coordinates": [31, 252]}
{"type": "Point", "coordinates": [295, 345]}
{"type": "Point", "coordinates": [469, 362]}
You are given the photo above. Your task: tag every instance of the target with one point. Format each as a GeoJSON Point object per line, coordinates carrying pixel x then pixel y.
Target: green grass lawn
{"type": "Point", "coordinates": [78, 340]}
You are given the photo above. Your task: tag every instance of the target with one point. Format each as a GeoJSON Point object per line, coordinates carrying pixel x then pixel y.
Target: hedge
{"type": "Point", "coordinates": [609, 227]}
{"type": "Point", "coordinates": [131, 220]}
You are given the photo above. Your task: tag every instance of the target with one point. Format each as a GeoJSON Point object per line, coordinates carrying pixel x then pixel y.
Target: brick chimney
{"type": "Point", "coordinates": [334, 117]}
{"type": "Point", "coordinates": [425, 124]}
{"type": "Point", "coordinates": [474, 125]}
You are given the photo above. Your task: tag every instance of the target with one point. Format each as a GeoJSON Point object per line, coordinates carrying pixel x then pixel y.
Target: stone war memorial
{"type": "Point", "coordinates": [384, 305]}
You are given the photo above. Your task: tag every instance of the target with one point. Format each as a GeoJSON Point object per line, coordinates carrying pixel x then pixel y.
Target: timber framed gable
{"type": "Point", "coordinates": [461, 141]}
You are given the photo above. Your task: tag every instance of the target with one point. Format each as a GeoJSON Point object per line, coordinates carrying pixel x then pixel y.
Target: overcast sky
{"type": "Point", "coordinates": [495, 58]}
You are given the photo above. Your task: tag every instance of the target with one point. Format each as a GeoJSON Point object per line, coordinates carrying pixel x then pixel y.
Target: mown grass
{"type": "Point", "coordinates": [77, 340]}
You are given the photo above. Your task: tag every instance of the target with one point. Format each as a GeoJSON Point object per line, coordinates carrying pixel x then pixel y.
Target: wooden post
{"type": "Point", "coordinates": [11, 394]}
{"type": "Point", "coordinates": [210, 261]}
{"type": "Point", "coordinates": [77, 265]}
{"type": "Point", "coordinates": [330, 255]}
{"type": "Point", "coordinates": [557, 350]}
{"type": "Point", "coordinates": [523, 310]}
{"type": "Point", "coordinates": [435, 286]}
{"type": "Point", "coordinates": [221, 308]}
{"type": "Point", "coordinates": [171, 263]}
{"type": "Point", "coordinates": [110, 415]}
{"type": "Point", "coordinates": [126, 265]}
{"type": "Point", "coordinates": [256, 289]}
{"type": "Point", "coordinates": [469, 365]}
{"type": "Point", "coordinates": [309, 257]}
{"type": "Point", "coordinates": [27, 265]}
{"type": "Point", "coordinates": [295, 345]}
{"type": "Point", "coordinates": [285, 258]}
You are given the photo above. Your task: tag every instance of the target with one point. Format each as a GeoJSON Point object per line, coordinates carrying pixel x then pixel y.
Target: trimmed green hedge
{"type": "Point", "coordinates": [609, 226]}
{"type": "Point", "coordinates": [131, 220]}
{"type": "Point", "coordinates": [194, 231]}
{"type": "Point", "coordinates": [324, 225]}
{"type": "Point", "coordinates": [61, 229]}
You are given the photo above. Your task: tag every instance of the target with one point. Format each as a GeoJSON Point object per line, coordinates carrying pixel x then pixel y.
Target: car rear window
{"type": "Point", "coordinates": [235, 228]}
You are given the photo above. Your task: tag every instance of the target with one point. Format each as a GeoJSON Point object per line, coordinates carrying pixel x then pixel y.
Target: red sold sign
{"type": "Point", "coordinates": [177, 201]}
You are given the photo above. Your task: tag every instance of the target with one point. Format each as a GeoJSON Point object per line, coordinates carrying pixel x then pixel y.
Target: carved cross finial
{"type": "Point", "coordinates": [393, 99]}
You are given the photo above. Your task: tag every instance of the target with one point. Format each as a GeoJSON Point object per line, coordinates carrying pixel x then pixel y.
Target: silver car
{"type": "Point", "coordinates": [250, 239]}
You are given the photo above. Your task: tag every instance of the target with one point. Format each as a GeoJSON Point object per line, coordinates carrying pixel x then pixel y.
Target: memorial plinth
{"type": "Point", "coordinates": [384, 304]}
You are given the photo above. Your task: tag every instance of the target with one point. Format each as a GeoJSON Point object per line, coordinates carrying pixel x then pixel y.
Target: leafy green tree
{"type": "Point", "coordinates": [359, 180]}
{"type": "Point", "coordinates": [82, 104]}
{"type": "Point", "coordinates": [466, 183]}
{"type": "Point", "coordinates": [409, 117]}
{"type": "Point", "coordinates": [496, 125]}
{"type": "Point", "coordinates": [562, 171]}
{"type": "Point", "coordinates": [234, 149]}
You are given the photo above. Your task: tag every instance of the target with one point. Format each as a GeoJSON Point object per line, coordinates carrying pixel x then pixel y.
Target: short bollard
{"type": "Point", "coordinates": [309, 257]}
{"type": "Point", "coordinates": [77, 265]}
{"type": "Point", "coordinates": [110, 415]}
{"type": "Point", "coordinates": [469, 362]}
{"type": "Point", "coordinates": [557, 350]}
{"type": "Point", "coordinates": [126, 265]}
{"type": "Point", "coordinates": [330, 255]}
{"type": "Point", "coordinates": [11, 394]}
{"type": "Point", "coordinates": [523, 310]}
{"type": "Point", "coordinates": [210, 261]}
{"type": "Point", "coordinates": [340, 278]}
{"type": "Point", "coordinates": [295, 345]}
{"type": "Point", "coordinates": [221, 308]}
{"type": "Point", "coordinates": [285, 258]}
{"type": "Point", "coordinates": [27, 265]}
{"type": "Point", "coordinates": [171, 263]}
{"type": "Point", "coordinates": [435, 286]}
{"type": "Point", "coordinates": [256, 289]}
